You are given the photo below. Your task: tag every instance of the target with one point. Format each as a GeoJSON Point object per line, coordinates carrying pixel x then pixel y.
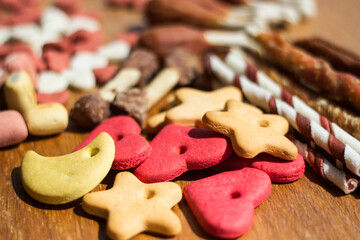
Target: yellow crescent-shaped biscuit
{"type": "Point", "coordinates": [62, 179]}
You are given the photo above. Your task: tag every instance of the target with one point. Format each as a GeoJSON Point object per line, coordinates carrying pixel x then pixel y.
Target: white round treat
{"type": "Point", "coordinates": [51, 82]}
{"type": "Point", "coordinates": [80, 79]}
{"type": "Point", "coordinates": [87, 61]}
{"type": "Point", "coordinates": [5, 34]}
{"type": "Point", "coordinates": [54, 20]}
{"type": "Point", "coordinates": [115, 51]}
{"type": "Point", "coordinates": [26, 32]}
{"type": "Point", "coordinates": [80, 22]}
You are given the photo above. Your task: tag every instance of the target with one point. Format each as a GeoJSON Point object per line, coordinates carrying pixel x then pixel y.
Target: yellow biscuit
{"type": "Point", "coordinates": [19, 92]}
{"type": "Point", "coordinates": [252, 132]}
{"type": "Point", "coordinates": [195, 103]}
{"type": "Point", "coordinates": [62, 179]}
{"type": "Point", "coordinates": [132, 207]}
{"type": "Point", "coordinates": [46, 119]}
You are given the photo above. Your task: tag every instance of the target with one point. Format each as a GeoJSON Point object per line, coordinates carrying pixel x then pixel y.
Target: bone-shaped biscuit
{"type": "Point", "coordinates": [62, 179]}
{"type": "Point", "coordinates": [132, 207]}
{"type": "Point", "coordinates": [252, 132]}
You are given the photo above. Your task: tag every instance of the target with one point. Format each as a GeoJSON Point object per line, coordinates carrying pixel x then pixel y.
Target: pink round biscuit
{"type": "Point", "coordinates": [177, 149]}
{"type": "Point", "coordinates": [279, 170]}
{"type": "Point", "coordinates": [21, 61]}
{"type": "Point", "coordinates": [13, 128]}
{"type": "Point", "coordinates": [59, 97]}
{"type": "Point", "coordinates": [131, 149]}
{"type": "Point", "coordinates": [224, 203]}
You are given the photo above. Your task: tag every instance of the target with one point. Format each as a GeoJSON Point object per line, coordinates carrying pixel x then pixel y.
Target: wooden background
{"type": "Point", "coordinates": [306, 209]}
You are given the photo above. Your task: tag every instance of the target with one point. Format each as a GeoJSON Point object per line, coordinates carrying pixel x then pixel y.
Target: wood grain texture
{"type": "Point", "coordinates": [306, 209]}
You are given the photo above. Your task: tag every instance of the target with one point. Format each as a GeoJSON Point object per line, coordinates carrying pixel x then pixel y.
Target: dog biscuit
{"type": "Point", "coordinates": [252, 132]}
{"type": "Point", "coordinates": [62, 179]}
{"type": "Point", "coordinates": [132, 207]}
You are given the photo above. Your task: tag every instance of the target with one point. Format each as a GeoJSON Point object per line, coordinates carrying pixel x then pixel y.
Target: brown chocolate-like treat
{"type": "Point", "coordinates": [188, 65]}
{"type": "Point", "coordinates": [90, 110]}
{"type": "Point", "coordinates": [132, 103]}
{"type": "Point", "coordinates": [340, 58]}
{"type": "Point", "coordinates": [163, 39]}
{"type": "Point", "coordinates": [144, 60]}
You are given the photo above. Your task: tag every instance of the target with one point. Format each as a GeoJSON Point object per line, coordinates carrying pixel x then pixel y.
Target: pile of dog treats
{"type": "Point", "coordinates": [208, 87]}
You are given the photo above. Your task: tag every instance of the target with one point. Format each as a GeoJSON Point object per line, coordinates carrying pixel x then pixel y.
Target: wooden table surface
{"type": "Point", "coordinates": [306, 209]}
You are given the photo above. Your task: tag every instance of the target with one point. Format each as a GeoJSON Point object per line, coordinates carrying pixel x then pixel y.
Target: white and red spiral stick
{"type": "Point", "coordinates": [324, 167]}
{"type": "Point", "coordinates": [310, 129]}
{"type": "Point", "coordinates": [237, 62]}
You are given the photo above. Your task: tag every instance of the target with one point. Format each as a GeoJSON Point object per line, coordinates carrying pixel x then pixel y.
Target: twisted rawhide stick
{"type": "Point", "coordinates": [235, 59]}
{"type": "Point", "coordinates": [312, 72]}
{"type": "Point", "coordinates": [325, 168]}
{"type": "Point", "coordinates": [308, 128]}
{"type": "Point", "coordinates": [136, 70]}
{"type": "Point", "coordinates": [346, 119]}
{"type": "Point", "coordinates": [163, 39]}
{"type": "Point", "coordinates": [340, 58]}
{"type": "Point", "coordinates": [181, 67]}
{"type": "Point", "coordinates": [210, 13]}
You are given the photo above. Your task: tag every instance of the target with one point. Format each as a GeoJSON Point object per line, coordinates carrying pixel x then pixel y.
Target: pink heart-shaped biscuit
{"type": "Point", "coordinates": [131, 149]}
{"type": "Point", "coordinates": [224, 203]}
{"type": "Point", "coordinates": [177, 149]}
{"type": "Point", "coordinates": [279, 170]}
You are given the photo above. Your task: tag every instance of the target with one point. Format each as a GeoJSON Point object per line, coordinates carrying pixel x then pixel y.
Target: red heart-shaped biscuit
{"type": "Point", "coordinates": [224, 203]}
{"type": "Point", "coordinates": [176, 149]}
{"type": "Point", "coordinates": [279, 170]}
{"type": "Point", "coordinates": [131, 149]}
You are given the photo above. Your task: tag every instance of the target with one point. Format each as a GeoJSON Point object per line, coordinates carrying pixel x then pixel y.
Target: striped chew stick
{"type": "Point", "coordinates": [323, 166]}
{"type": "Point", "coordinates": [236, 61]}
{"type": "Point", "coordinates": [308, 128]}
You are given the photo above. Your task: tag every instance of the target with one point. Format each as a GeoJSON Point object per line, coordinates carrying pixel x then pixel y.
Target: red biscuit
{"type": "Point", "coordinates": [83, 40]}
{"type": "Point", "coordinates": [59, 97]}
{"type": "Point", "coordinates": [69, 6]}
{"type": "Point", "coordinates": [13, 128]}
{"type": "Point", "coordinates": [279, 170]}
{"type": "Point", "coordinates": [28, 14]}
{"type": "Point", "coordinates": [224, 203]}
{"type": "Point", "coordinates": [177, 149]}
{"type": "Point", "coordinates": [103, 75]}
{"type": "Point", "coordinates": [131, 149]}
{"type": "Point", "coordinates": [130, 37]}
{"type": "Point", "coordinates": [56, 60]}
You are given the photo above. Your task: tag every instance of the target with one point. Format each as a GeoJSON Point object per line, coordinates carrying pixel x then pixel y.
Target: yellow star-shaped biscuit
{"type": "Point", "coordinates": [195, 103]}
{"type": "Point", "coordinates": [252, 132]}
{"type": "Point", "coordinates": [132, 207]}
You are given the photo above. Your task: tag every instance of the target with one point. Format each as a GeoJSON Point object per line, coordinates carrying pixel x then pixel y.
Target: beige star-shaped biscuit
{"type": "Point", "coordinates": [195, 103]}
{"type": "Point", "coordinates": [252, 132]}
{"type": "Point", "coordinates": [132, 207]}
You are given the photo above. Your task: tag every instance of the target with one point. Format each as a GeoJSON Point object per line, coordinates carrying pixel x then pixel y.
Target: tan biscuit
{"type": "Point", "coordinates": [195, 103]}
{"type": "Point", "coordinates": [46, 119]}
{"type": "Point", "coordinates": [62, 179]}
{"type": "Point", "coordinates": [133, 207]}
{"type": "Point", "coordinates": [19, 92]}
{"type": "Point", "coordinates": [252, 132]}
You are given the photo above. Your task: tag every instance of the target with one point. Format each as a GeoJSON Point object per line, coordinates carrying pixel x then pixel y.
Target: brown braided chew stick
{"type": "Point", "coordinates": [346, 119]}
{"type": "Point", "coordinates": [311, 72]}
{"type": "Point", "coordinates": [340, 58]}
{"type": "Point", "coordinates": [190, 11]}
